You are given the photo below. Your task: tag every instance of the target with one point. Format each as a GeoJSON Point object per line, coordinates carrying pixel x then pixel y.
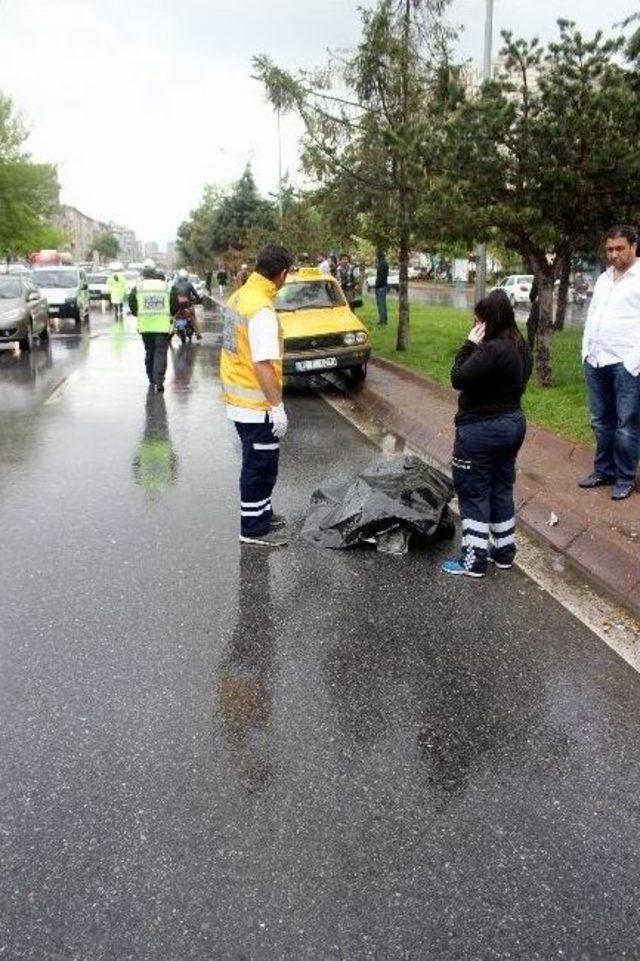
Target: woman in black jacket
{"type": "Point", "coordinates": [491, 371]}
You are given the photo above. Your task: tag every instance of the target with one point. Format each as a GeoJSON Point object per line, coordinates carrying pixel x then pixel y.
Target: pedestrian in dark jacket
{"type": "Point", "coordinates": [346, 277]}
{"type": "Point", "coordinates": [491, 371]}
{"type": "Point", "coordinates": [381, 288]}
{"type": "Point", "coordinates": [223, 278]}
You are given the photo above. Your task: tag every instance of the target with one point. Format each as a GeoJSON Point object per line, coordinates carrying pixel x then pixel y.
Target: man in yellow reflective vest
{"type": "Point", "coordinates": [251, 374]}
{"type": "Point", "coordinates": [118, 288]}
{"type": "Point", "coordinates": [149, 302]}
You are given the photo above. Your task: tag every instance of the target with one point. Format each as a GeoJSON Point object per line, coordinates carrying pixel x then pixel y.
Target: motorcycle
{"type": "Point", "coordinates": [183, 320]}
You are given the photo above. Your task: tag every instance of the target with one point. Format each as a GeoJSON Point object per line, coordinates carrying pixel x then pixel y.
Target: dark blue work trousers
{"type": "Point", "coordinates": [260, 456]}
{"type": "Point", "coordinates": [155, 356]}
{"type": "Point", "coordinates": [614, 398]}
{"type": "Point", "coordinates": [484, 474]}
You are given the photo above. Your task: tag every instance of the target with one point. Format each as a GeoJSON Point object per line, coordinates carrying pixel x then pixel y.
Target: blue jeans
{"type": "Point", "coordinates": [381, 301]}
{"type": "Point", "coordinates": [260, 455]}
{"type": "Point", "coordinates": [484, 473]}
{"type": "Point", "coordinates": [614, 397]}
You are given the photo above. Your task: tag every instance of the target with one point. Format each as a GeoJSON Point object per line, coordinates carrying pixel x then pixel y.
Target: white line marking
{"type": "Point", "coordinates": [56, 394]}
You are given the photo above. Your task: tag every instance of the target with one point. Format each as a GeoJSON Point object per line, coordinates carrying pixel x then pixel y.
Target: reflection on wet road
{"type": "Point", "coordinates": [212, 753]}
{"type": "Point", "coordinates": [462, 298]}
{"type": "Point", "coordinates": [27, 378]}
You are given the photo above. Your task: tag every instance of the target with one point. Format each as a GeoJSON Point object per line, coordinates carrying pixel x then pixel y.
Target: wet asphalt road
{"type": "Point", "coordinates": [209, 754]}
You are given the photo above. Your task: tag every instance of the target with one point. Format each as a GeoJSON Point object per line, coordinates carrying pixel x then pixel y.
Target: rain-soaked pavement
{"type": "Point", "coordinates": [462, 297]}
{"type": "Point", "coordinates": [215, 754]}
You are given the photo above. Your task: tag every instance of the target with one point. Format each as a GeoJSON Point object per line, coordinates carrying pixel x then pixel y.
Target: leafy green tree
{"type": "Point", "coordinates": [367, 117]}
{"type": "Point", "coordinates": [306, 223]}
{"type": "Point", "coordinates": [244, 220]}
{"type": "Point", "coordinates": [28, 192]}
{"type": "Point", "coordinates": [193, 234]}
{"type": "Point", "coordinates": [229, 224]}
{"type": "Point", "coordinates": [547, 155]}
{"type": "Point", "coordinates": [13, 131]}
{"type": "Point", "coordinates": [107, 245]}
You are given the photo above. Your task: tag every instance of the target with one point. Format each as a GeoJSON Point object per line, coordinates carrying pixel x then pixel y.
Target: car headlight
{"type": "Point", "coordinates": [11, 316]}
{"type": "Point", "coordinates": [349, 339]}
{"type": "Point", "coordinates": [361, 337]}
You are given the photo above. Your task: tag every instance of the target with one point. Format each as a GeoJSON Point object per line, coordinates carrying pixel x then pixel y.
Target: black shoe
{"type": "Point", "coordinates": [502, 560]}
{"type": "Point", "coordinates": [595, 480]}
{"type": "Point", "coordinates": [622, 490]}
{"type": "Point", "coordinates": [269, 539]}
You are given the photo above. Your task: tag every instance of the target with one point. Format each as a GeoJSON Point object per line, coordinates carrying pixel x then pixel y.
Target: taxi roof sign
{"type": "Point", "coordinates": [309, 273]}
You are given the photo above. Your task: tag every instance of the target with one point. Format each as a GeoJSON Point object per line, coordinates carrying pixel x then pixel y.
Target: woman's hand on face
{"type": "Point", "coordinates": [476, 336]}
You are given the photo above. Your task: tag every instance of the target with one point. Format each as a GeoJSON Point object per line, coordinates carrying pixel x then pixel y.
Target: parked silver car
{"type": "Point", "coordinates": [66, 291]}
{"type": "Point", "coordinates": [24, 312]}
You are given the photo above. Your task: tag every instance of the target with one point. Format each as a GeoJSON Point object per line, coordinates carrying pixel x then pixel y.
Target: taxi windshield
{"type": "Point", "coordinates": [307, 295]}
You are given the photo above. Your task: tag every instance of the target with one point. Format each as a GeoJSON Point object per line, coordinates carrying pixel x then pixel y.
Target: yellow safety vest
{"type": "Point", "coordinates": [153, 307]}
{"type": "Point", "coordinates": [240, 385]}
{"type": "Point", "coordinates": [117, 288]}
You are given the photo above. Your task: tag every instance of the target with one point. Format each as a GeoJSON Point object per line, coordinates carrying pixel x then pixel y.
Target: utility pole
{"type": "Point", "coordinates": [481, 249]}
{"type": "Point", "coordinates": [279, 169]}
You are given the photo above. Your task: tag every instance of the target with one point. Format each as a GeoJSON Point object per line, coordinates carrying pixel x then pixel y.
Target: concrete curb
{"type": "Point", "coordinates": [601, 554]}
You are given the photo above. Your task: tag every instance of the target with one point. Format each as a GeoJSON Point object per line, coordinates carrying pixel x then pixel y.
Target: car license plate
{"type": "Point", "coordinates": [322, 363]}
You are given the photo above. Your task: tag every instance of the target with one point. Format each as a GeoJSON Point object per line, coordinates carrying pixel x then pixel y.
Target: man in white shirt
{"type": "Point", "coordinates": [611, 357]}
{"type": "Point", "coordinates": [325, 264]}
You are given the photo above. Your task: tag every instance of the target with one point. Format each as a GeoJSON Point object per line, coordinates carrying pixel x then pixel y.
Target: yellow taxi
{"type": "Point", "coordinates": [319, 328]}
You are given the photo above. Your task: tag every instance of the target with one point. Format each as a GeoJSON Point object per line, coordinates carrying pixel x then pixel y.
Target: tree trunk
{"type": "Point", "coordinates": [545, 328]}
{"type": "Point", "coordinates": [563, 293]}
{"type": "Point", "coordinates": [402, 341]}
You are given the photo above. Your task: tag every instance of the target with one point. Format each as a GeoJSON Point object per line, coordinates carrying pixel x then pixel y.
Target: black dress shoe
{"type": "Point", "coordinates": [595, 480]}
{"type": "Point", "coordinates": [622, 490]}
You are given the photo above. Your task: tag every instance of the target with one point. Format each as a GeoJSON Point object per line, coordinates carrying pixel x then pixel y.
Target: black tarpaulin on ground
{"type": "Point", "coordinates": [394, 501]}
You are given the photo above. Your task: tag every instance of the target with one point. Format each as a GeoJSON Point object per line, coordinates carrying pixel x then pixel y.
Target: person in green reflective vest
{"type": "Point", "coordinates": [149, 302]}
{"type": "Point", "coordinates": [118, 287]}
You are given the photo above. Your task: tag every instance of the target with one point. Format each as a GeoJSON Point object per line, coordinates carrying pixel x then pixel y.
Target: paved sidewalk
{"type": "Point", "coordinates": [600, 537]}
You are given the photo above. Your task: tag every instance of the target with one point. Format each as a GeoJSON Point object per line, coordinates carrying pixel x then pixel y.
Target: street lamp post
{"type": "Point", "coordinates": [481, 249]}
{"type": "Point", "coordinates": [279, 169]}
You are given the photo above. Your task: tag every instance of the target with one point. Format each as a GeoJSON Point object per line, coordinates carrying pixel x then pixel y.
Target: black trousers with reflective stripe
{"type": "Point", "coordinates": [260, 455]}
{"type": "Point", "coordinates": [484, 474]}
{"type": "Point", "coordinates": [155, 356]}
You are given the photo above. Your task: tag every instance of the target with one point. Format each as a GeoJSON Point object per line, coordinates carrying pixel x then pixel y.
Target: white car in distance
{"type": "Point", "coordinates": [517, 288]}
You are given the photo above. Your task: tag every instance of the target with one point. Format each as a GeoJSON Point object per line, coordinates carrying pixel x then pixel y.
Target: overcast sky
{"type": "Point", "coordinates": [142, 102]}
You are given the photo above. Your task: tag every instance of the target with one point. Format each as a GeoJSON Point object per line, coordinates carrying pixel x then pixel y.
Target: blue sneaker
{"type": "Point", "coordinates": [458, 567]}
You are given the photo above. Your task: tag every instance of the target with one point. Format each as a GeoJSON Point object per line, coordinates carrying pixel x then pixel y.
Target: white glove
{"type": "Point", "coordinates": [279, 420]}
